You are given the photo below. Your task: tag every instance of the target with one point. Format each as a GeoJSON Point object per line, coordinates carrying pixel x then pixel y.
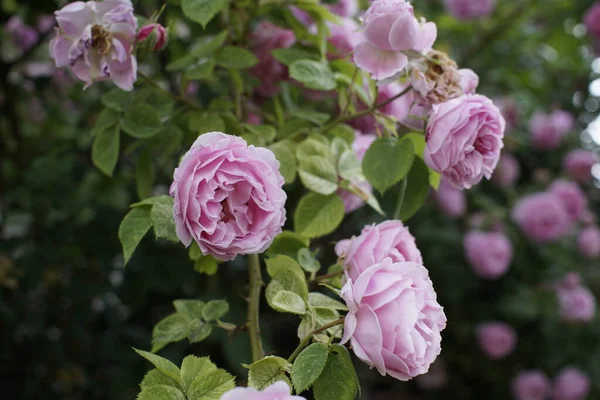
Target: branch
{"type": "Point", "coordinates": [254, 307]}
{"type": "Point", "coordinates": [308, 337]}
{"type": "Point", "coordinates": [174, 96]}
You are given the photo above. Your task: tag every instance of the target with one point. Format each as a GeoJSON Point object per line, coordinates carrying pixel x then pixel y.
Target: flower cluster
{"type": "Point", "coordinates": [570, 384]}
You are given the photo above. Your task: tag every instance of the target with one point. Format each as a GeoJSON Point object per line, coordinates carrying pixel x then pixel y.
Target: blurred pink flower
{"type": "Point", "coordinates": [470, 9]}
{"type": "Point", "coordinates": [277, 391]}
{"type": "Point", "coordinates": [507, 172]}
{"type": "Point", "coordinates": [588, 242]}
{"type": "Point", "coordinates": [22, 35]}
{"type": "Point", "coordinates": [572, 197]}
{"type": "Point", "coordinates": [496, 339]}
{"type": "Point", "coordinates": [451, 201]}
{"type": "Point", "coordinates": [510, 111]}
{"type": "Point", "coordinates": [531, 385]}
{"type": "Point", "coordinates": [542, 217]}
{"type": "Point", "coordinates": [489, 254]}
{"type": "Point", "coordinates": [592, 20]}
{"type": "Point", "coordinates": [576, 304]}
{"type": "Point", "coordinates": [548, 130]}
{"type": "Point", "coordinates": [578, 165]}
{"type": "Point", "coordinates": [157, 34]}
{"type": "Point", "coordinates": [571, 384]}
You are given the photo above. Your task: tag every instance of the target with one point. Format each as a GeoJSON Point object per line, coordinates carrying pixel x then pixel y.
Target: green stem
{"type": "Point", "coordinates": [308, 337]}
{"type": "Point", "coordinates": [175, 97]}
{"type": "Point", "coordinates": [254, 307]}
{"type": "Point", "coordinates": [401, 198]}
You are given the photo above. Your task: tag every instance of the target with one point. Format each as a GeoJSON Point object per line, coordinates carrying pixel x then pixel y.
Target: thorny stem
{"type": "Point", "coordinates": [328, 276]}
{"type": "Point", "coordinates": [175, 97]}
{"type": "Point", "coordinates": [254, 306]}
{"type": "Point", "coordinates": [308, 337]}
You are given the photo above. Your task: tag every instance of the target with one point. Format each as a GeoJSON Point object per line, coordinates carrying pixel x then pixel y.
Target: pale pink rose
{"type": "Point", "coordinates": [277, 391]}
{"type": "Point", "coordinates": [578, 165]}
{"type": "Point", "coordinates": [265, 38]}
{"type": "Point", "coordinates": [390, 239]}
{"type": "Point", "coordinates": [228, 196]}
{"type": "Point", "coordinates": [571, 384]}
{"type": "Point", "coordinates": [510, 111]}
{"type": "Point", "coordinates": [576, 304]}
{"type": "Point", "coordinates": [390, 28]}
{"type": "Point", "coordinates": [96, 40]}
{"type": "Point", "coordinates": [573, 198]}
{"type": "Point", "coordinates": [344, 8]}
{"type": "Point", "coordinates": [157, 34]}
{"type": "Point", "coordinates": [548, 130]}
{"type": "Point", "coordinates": [394, 320]}
{"type": "Point", "coordinates": [531, 385]}
{"type": "Point", "coordinates": [592, 20]}
{"type": "Point", "coordinates": [464, 139]}
{"type": "Point", "coordinates": [542, 217]}
{"type": "Point", "coordinates": [469, 9]}
{"type": "Point", "coordinates": [352, 202]}
{"type": "Point", "coordinates": [397, 109]}
{"type": "Point", "coordinates": [469, 80]}
{"type": "Point", "coordinates": [489, 254]}
{"type": "Point", "coordinates": [563, 120]}
{"type": "Point", "coordinates": [588, 242]}
{"type": "Point", "coordinates": [21, 34]}
{"type": "Point", "coordinates": [435, 378]}
{"type": "Point", "coordinates": [451, 201]}
{"type": "Point", "coordinates": [570, 280]}
{"type": "Point", "coordinates": [496, 339]}
{"type": "Point", "coordinates": [45, 23]}
{"type": "Point", "coordinates": [507, 173]}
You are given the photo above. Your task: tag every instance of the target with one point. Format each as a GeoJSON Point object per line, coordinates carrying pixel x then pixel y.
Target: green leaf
{"type": "Point", "coordinates": [235, 58]}
{"type": "Point", "coordinates": [287, 243]}
{"type": "Point", "coordinates": [266, 132]}
{"type": "Point", "coordinates": [154, 377]}
{"type": "Point", "coordinates": [202, 50]}
{"type": "Point", "coordinates": [193, 308]}
{"type": "Point", "coordinates": [105, 151]}
{"type": "Point", "coordinates": [281, 263]}
{"type": "Point", "coordinates": [206, 265]}
{"type": "Point", "coordinates": [417, 190]}
{"type": "Point", "coordinates": [150, 201]}
{"type": "Point", "coordinates": [141, 121]}
{"type": "Point", "coordinates": [318, 174]}
{"type": "Point", "coordinates": [162, 219]}
{"type": "Point", "coordinates": [161, 392]}
{"type": "Point", "coordinates": [159, 100]}
{"type": "Point", "coordinates": [287, 275]}
{"type": "Point", "coordinates": [307, 261]}
{"type": "Point", "coordinates": [171, 329]}
{"type": "Point", "coordinates": [343, 131]}
{"type": "Point", "coordinates": [199, 331]}
{"type": "Point", "coordinates": [349, 166]}
{"type": "Point", "coordinates": [211, 386]}
{"type": "Point", "coordinates": [290, 302]}
{"type": "Point", "coordinates": [215, 309]}
{"type": "Point", "coordinates": [320, 300]}
{"type": "Point", "coordinates": [313, 146]}
{"type": "Point", "coordinates": [202, 71]}
{"type": "Point", "coordinates": [318, 215]}
{"type": "Point", "coordinates": [144, 175]}
{"type": "Point", "coordinates": [387, 162]}
{"type": "Point", "coordinates": [267, 371]}
{"type": "Point", "coordinates": [107, 119]}
{"type": "Point", "coordinates": [192, 367]}
{"type": "Point", "coordinates": [338, 379]}
{"type": "Point", "coordinates": [133, 228]}
{"type": "Point", "coordinates": [202, 11]}
{"type": "Point", "coordinates": [308, 366]}
{"type": "Point", "coordinates": [313, 74]}
{"type": "Point", "coordinates": [418, 141]}
{"type": "Point", "coordinates": [290, 55]}
{"type": "Point", "coordinates": [206, 122]}
{"type": "Point", "coordinates": [434, 179]}
{"type": "Point", "coordinates": [118, 99]}
{"type": "Point", "coordinates": [162, 364]}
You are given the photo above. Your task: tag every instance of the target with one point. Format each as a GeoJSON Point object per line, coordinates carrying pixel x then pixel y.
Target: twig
{"type": "Point", "coordinates": [308, 337]}
{"type": "Point", "coordinates": [175, 97]}
{"type": "Point", "coordinates": [254, 306]}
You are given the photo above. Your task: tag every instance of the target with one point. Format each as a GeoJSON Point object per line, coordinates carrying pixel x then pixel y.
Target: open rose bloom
{"type": "Point", "coordinates": [277, 391]}
{"type": "Point", "coordinates": [95, 39]}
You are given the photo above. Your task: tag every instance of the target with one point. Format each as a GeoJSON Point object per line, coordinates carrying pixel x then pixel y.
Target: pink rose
{"type": "Point", "coordinates": [542, 217]}
{"type": "Point", "coordinates": [507, 173]}
{"type": "Point", "coordinates": [390, 239]}
{"type": "Point", "coordinates": [22, 35]}
{"type": "Point", "coordinates": [265, 38]}
{"type": "Point", "coordinates": [436, 79]}
{"type": "Point", "coordinates": [510, 111]}
{"type": "Point", "coordinates": [496, 339]}
{"type": "Point", "coordinates": [394, 320]}
{"type": "Point", "coordinates": [157, 34]}
{"type": "Point", "coordinates": [531, 385]}
{"type": "Point", "coordinates": [589, 242]}
{"type": "Point", "coordinates": [570, 280]}
{"type": "Point", "coordinates": [96, 39]}
{"type": "Point", "coordinates": [592, 20]}
{"type": "Point", "coordinates": [469, 80]}
{"type": "Point", "coordinates": [228, 196]}
{"type": "Point", "coordinates": [571, 384]}
{"type": "Point", "coordinates": [578, 165]}
{"type": "Point", "coordinates": [464, 139]}
{"type": "Point", "coordinates": [576, 304]}
{"type": "Point", "coordinates": [390, 28]}
{"type": "Point", "coordinates": [548, 130]}
{"type": "Point", "coordinates": [451, 201]}
{"type": "Point", "coordinates": [469, 9]}
{"type": "Point", "coordinates": [277, 391]}
{"type": "Point", "coordinates": [572, 197]}
{"type": "Point", "coordinates": [352, 202]}
{"type": "Point", "coordinates": [489, 254]}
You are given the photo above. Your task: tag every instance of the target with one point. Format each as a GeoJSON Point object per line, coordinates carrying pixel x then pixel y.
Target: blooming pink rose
{"type": "Point", "coordinates": [390, 239]}
{"type": "Point", "coordinates": [390, 28]}
{"type": "Point", "coordinates": [563, 120]}
{"type": "Point", "coordinates": [571, 384]}
{"type": "Point", "coordinates": [570, 280]}
{"type": "Point", "coordinates": [578, 165]}
{"type": "Point", "coordinates": [22, 35]}
{"type": "Point", "coordinates": [577, 304]}
{"type": "Point", "coordinates": [572, 197]}
{"type": "Point", "coordinates": [588, 242]}
{"type": "Point", "coordinates": [489, 254]}
{"type": "Point", "coordinates": [542, 217]}
{"type": "Point", "coordinates": [496, 339]}
{"type": "Point", "coordinates": [451, 201]}
{"type": "Point", "coordinates": [464, 139]}
{"type": "Point", "coordinates": [469, 9]}
{"type": "Point", "coordinates": [277, 391]}
{"type": "Point", "coordinates": [508, 171]}
{"type": "Point", "coordinates": [394, 320]}
{"type": "Point", "coordinates": [228, 196]}
{"type": "Point", "coordinates": [95, 39]}
{"type": "Point", "coordinates": [510, 111]}
{"type": "Point", "coordinates": [352, 202]}
{"type": "Point", "coordinates": [265, 38]}
{"type": "Point", "coordinates": [592, 20]}
{"type": "Point", "coordinates": [531, 385]}
{"type": "Point", "coordinates": [157, 33]}
{"type": "Point", "coordinates": [548, 130]}
{"type": "Point", "coordinates": [469, 80]}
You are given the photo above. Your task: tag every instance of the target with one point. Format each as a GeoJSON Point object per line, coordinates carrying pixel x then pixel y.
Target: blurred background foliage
{"type": "Point", "coordinates": [70, 312]}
